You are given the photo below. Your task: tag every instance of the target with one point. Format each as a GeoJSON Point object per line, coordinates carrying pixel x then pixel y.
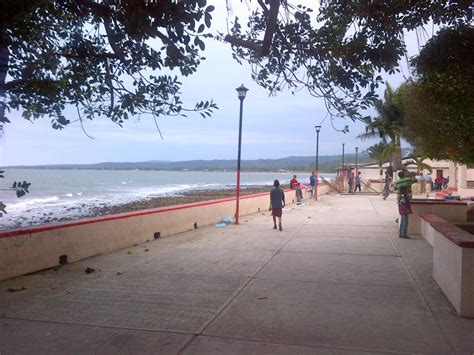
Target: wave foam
{"type": "Point", "coordinates": [35, 202]}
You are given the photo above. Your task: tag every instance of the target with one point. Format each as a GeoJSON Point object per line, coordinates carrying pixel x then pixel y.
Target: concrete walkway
{"type": "Point", "coordinates": [336, 280]}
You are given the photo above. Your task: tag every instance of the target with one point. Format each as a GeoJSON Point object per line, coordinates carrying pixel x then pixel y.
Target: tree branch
{"type": "Point", "coordinates": [272, 19]}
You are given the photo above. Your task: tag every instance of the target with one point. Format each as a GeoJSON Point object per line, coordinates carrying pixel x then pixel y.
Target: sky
{"type": "Point", "coordinates": [273, 127]}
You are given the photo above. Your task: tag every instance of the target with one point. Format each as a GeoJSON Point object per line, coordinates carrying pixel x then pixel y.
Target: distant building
{"type": "Point", "coordinates": [460, 176]}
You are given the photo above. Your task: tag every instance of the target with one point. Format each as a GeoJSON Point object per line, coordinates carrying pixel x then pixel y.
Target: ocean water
{"type": "Point", "coordinates": [72, 193]}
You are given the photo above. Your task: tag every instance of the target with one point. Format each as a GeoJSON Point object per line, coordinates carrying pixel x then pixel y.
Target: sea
{"type": "Point", "coordinates": [57, 194]}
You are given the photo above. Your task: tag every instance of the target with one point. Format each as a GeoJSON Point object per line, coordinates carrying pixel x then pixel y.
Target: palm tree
{"type": "Point", "coordinates": [388, 125]}
{"type": "Point", "coordinates": [381, 153]}
{"type": "Point", "coordinates": [418, 162]}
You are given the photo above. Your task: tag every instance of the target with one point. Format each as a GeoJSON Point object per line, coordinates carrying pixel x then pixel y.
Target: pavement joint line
{"type": "Point", "coordinates": [418, 288]}
{"type": "Point", "coordinates": [322, 283]}
{"type": "Point", "coordinates": [237, 293]}
{"type": "Point", "coordinates": [337, 253]}
{"type": "Point", "coordinates": [157, 274]}
{"type": "Point", "coordinates": [311, 346]}
{"type": "Point", "coordinates": [73, 324]}
{"type": "Point", "coordinates": [189, 342]}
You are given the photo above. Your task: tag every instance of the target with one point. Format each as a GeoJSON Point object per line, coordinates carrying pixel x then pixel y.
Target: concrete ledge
{"type": "Point", "coordinates": [452, 211]}
{"type": "Point", "coordinates": [453, 262]}
{"type": "Point", "coordinates": [28, 250]}
{"type": "Point", "coordinates": [427, 230]}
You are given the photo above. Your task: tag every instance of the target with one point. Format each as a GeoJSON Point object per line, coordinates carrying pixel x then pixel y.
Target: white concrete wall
{"type": "Point", "coordinates": [29, 250]}
{"type": "Point", "coordinates": [447, 268]}
{"type": "Point", "coordinates": [467, 298]}
{"type": "Point", "coordinates": [453, 270]}
{"type": "Point", "coordinates": [427, 232]}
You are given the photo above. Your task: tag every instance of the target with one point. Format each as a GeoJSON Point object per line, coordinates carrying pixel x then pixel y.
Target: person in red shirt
{"type": "Point", "coordinates": [295, 185]}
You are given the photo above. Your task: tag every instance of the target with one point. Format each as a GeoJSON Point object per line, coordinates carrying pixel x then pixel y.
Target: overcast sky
{"type": "Point", "coordinates": [273, 127]}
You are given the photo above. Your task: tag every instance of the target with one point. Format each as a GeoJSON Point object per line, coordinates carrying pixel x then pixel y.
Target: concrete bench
{"type": "Point", "coordinates": [453, 261]}
{"type": "Point", "coordinates": [452, 211]}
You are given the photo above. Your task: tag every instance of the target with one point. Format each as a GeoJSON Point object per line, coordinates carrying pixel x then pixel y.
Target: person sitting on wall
{"type": "Point", "coordinates": [439, 182]}
{"type": "Point", "coordinates": [295, 185]}
{"type": "Point", "coordinates": [445, 182]}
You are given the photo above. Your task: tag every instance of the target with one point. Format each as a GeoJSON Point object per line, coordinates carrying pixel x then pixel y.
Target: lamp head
{"type": "Point", "coordinates": [242, 91]}
{"type": "Point", "coordinates": [357, 149]}
{"type": "Point", "coordinates": [317, 128]}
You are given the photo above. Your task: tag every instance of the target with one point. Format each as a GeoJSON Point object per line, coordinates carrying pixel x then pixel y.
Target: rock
{"type": "Point", "coordinates": [89, 270]}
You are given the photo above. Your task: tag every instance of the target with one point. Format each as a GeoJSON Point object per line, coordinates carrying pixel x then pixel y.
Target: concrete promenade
{"type": "Point", "coordinates": [336, 280]}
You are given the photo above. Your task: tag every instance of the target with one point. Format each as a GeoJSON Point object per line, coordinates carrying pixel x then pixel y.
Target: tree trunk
{"type": "Point", "coordinates": [397, 155]}
{"type": "Point", "coordinates": [4, 54]}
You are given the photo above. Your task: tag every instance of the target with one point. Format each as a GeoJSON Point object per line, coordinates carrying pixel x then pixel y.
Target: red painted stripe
{"type": "Point", "coordinates": [440, 203]}
{"type": "Point", "coordinates": [455, 234]}
{"type": "Point", "coordinates": [26, 231]}
{"type": "Point", "coordinates": [49, 227]}
{"type": "Point", "coordinates": [432, 218]}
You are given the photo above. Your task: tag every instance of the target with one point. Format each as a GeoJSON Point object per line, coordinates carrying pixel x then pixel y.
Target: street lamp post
{"type": "Point", "coordinates": [317, 129]}
{"type": "Point", "coordinates": [241, 93]}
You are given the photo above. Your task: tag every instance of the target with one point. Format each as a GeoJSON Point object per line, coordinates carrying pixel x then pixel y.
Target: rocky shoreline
{"type": "Point", "coordinates": [81, 211]}
{"type": "Point", "coordinates": [177, 199]}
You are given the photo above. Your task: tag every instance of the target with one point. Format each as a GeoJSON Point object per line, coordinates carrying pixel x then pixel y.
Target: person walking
{"type": "Point", "coordinates": [277, 202]}
{"type": "Point", "coordinates": [350, 182]}
{"type": "Point", "coordinates": [357, 182]}
{"type": "Point", "coordinates": [312, 183]}
{"type": "Point", "coordinates": [386, 186]}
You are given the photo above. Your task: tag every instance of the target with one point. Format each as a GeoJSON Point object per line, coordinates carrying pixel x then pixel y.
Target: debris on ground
{"type": "Point", "coordinates": [220, 225]}
{"type": "Point", "coordinates": [147, 249]}
{"type": "Point", "coordinates": [119, 273]}
{"type": "Point", "coordinates": [89, 270]}
{"type": "Point", "coordinates": [16, 289]}
{"type": "Point", "coordinates": [227, 220]}
{"type": "Point", "coordinates": [262, 298]}
{"type": "Point", "coordinates": [129, 252]}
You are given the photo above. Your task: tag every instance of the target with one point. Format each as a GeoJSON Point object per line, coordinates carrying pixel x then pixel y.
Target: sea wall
{"type": "Point", "coordinates": [28, 250]}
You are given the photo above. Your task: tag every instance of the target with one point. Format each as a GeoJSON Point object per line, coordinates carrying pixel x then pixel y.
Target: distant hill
{"type": "Point", "coordinates": [327, 163]}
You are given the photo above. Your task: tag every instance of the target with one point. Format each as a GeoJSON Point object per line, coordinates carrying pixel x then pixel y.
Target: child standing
{"type": "Point", "coordinates": [277, 202]}
{"type": "Point", "coordinates": [403, 186]}
{"type": "Point", "coordinates": [404, 209]}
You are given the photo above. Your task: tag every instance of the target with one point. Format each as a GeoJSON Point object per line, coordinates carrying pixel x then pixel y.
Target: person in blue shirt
{"type": "Point", "coordinates": [312, 183]}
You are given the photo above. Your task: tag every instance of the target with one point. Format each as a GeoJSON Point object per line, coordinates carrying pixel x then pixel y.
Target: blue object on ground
{"type": "Point", "coordinates": [227, 220]}
{"type": "Point", "coordinates": [220, 225]}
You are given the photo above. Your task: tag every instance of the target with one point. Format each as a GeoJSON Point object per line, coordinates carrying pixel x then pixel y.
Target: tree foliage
{"type": "Point", "coordinates": [439, 106]}
{"type": "Point", "coordinates": [388, 125]}
{"type": "Point", "coordinates": [338, 52]}
{"type": "Point", "coordinates": [106, 58]}
{"type": "Point", "coordinates": [419, 163]}
{"type": "Point", "coordinates": [20, 187]}
{"type": "Point", "coordinates": [381, 153]}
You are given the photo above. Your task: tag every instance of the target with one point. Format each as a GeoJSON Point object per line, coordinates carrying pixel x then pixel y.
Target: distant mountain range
{"type": "Point", "coordinates": [327, 163]}
{"type": "Point", "coordinates": [300, 162]}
